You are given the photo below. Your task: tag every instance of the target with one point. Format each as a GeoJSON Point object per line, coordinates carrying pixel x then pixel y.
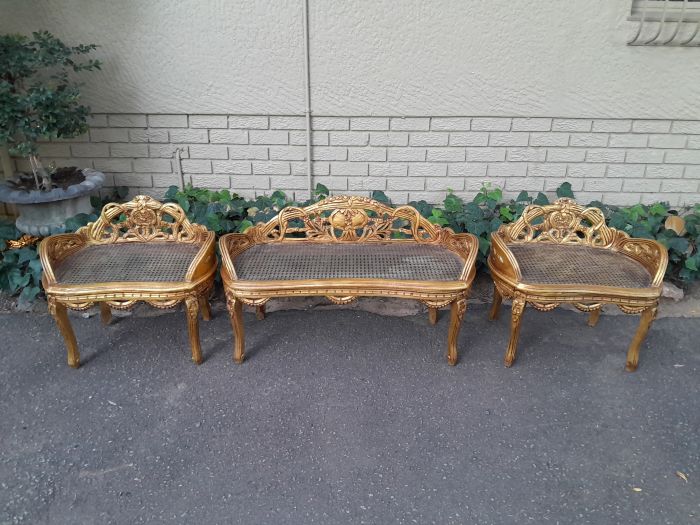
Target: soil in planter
{"type": "Point", "coordinates": [61, 178]}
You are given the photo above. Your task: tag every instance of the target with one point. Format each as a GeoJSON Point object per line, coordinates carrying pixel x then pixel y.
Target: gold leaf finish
{"type": "Point", "coordinates": [349, 219]}
{"type": "Point", "coordinates": [566, 223]}
{"type": "Point", "coordinates": [142, 220]}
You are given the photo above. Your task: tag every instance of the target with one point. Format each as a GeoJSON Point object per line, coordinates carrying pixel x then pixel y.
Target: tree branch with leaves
{"type": "Point", "coordinates": [39, 100]}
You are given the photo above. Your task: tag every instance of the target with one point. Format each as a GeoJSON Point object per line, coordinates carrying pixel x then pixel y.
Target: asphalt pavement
{"type": "Point", "coordinates": [345, 416]}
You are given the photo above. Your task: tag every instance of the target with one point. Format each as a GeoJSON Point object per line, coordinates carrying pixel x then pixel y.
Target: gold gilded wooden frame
{"type": "Point", "coordinates": [349, 219]}
{"type": "Point", "coordinates": [142, 220]}
{"type": "Point", "coordinates": [567, 223]}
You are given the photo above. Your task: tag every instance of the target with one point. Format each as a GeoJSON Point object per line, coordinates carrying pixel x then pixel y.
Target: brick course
{"type": "Point", "coordinates": [619, 160]}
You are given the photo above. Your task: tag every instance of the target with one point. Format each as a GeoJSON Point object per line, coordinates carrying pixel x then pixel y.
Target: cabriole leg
{"type": "Point", "coordinates": [60, 314]}
{"type": "Point", "coordinates": [593, 317]}
{"type": "Point", "coordinates": [516, 316]}
{"type": "Point", "coordinates": [105, 313]}
{"type": "Point", "coordinates": [204, 307]}
{"type": "Point", "coordinates": [647, 318]}
{"type": "Point", "coordinates": [432, 314]}
{"type": "Point", "coordinates": [192, 307]}
{"type": "Point", "coordinates": [235, 310]}
{"type": "Point", "coordinates": [260, 312]}
{"type": "Point", "coordinates": [496, 305]}
{"type": "Point", "coordinates": [457, 309]}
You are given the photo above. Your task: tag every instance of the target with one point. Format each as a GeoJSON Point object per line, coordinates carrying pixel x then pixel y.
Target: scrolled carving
{"type": "Point", "coordinates": [564, 222]}
{"type": "Point", "coordinates": [652, 255]}
{"type": "Point", "coordinates": [143, 219]}
{"type": "Point", "coordinates": [54, 249]}
{"type": "Point", "coordinates": [347, 219]}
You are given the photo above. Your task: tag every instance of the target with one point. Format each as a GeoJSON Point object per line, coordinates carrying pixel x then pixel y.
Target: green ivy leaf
{"type": "Point", "coordinates": [484, 245]}
{"type": "Point", "coordinates": [321, 191]}
{"type": "Point", "coordinates": [678, 244]}
{"type": "Point", "coordinates": [506, 213]}
{"type": "Point", "coordinates": [541, 199]}
{"type": "Point", "coordinates": [658, 209]}
{"type": "Point", "coordinates": [15, 280]}
{"type": "Point", "coordinates": [565, 190]}
{"type": "Point", "coordinates": [183, 202]}
{"type": "Point", "coordinates": [244, 225]}
{"type": "Point", "coordinates": [438, 219]}
{"type": "Point", "coordinates": [523, 196]}
{"type": "Point", "coordinates": [26, 254]}
{"type": "Point", "coordinates": [36, 270]}
{"type": "Point", "coordinates": [453, 203]}
{"type": "Point", "coordinates": [380, 196]}
{"type": "Point", "coordinates": [28, 296]}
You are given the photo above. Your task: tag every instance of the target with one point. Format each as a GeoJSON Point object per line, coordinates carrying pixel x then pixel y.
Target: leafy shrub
{"type": "Point", "coordinates": [649, 222]}
{"type": "Point", "coordinates": [20, 269]}
{"type": "Point", "coordinates": [224, 212]}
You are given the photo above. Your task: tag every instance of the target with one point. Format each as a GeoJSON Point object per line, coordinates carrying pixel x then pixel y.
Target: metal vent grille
{"type": "Point", "coordinates": [666, 23]}
{"type": "Point", "coordinates": [399, 261]}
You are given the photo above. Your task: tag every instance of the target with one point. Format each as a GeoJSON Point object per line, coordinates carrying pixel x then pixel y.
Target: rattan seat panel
{"type": "Point", "coordinates": [398, 261]}
{"type": "Point", "coordinates": [130, 262]}
{"type": "Point", "coordinates": [559, 264]}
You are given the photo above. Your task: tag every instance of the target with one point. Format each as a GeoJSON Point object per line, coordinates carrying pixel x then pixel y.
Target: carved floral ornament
{"type": "Point", "coordinates": [143, 219]}
{"type": "Point", "coordinates": [347, 219]}
{"type": "Point", "coordinates": [564, 222]}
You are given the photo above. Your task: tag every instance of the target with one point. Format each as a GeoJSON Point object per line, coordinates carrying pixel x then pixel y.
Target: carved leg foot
{"type": "Point", "coordinates": [192, 307]}
{"type": "Point", "coordinates": [432, 315]}
{"type": "Point", "coordinates": [647, 318]}
{"type": "Point", "coordinates": [516, 316]}
{"type": "Point", "coordinates": [593, 317]}
{"type": "Point", "coordinates": [204, 307]}
{"type": "Point", "coordinates": [457, 309]}
{"type": "Point", "coordinates": [105, 313]}
{"type": "Point", "coordinates": [260, 312]}
{"type": "Point", "coordinates": [496, 305]}
{"type": "Point", "coordinates": [60, 314]}
{"type": "Point", "coordinates": [235, 310]}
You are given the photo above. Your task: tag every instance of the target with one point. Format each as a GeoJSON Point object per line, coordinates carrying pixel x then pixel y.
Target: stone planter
{"type": "Point", "coordinates": [44, 213]}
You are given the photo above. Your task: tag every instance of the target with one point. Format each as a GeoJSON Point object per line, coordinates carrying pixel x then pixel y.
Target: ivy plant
{"type": "Point", "coordinates": [224, 212]}
{"type": "Point", "coordinates": [20, 269]}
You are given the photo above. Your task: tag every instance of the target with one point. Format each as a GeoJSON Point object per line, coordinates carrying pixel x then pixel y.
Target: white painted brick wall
{"type": "Point", "coordinates": [622, 161]}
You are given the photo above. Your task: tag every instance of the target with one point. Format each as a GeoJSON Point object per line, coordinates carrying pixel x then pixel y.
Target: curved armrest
{"type": "Point", "coordinates": [231, 245]}
{"type": "Point", "coordinates": [651, 254]}
{"type": "Point", "coordinates": [53, 249]}
{"type": "Point", "coordinates": [501, 259]}
{"type": "Point", "coordinates": [205, 260]}
{"type": "Point", "coordinates": [468, 247]}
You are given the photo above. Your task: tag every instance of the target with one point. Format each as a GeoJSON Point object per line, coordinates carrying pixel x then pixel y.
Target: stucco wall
{"type": "Point", "coordinates": [371, 57]}
{"type": "Point", "coordinates": [519, 93]}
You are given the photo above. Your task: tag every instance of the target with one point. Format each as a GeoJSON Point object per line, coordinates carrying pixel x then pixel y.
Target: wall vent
{"type": "Point", "coordinates": [671, 23]}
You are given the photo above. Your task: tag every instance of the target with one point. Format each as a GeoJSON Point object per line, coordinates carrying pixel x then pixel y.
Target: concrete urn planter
{"type": "Point", "coordinates": [44, 213]}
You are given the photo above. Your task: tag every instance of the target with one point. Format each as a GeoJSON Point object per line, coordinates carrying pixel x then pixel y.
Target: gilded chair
{"type": "Point", "coordinates": [345, 247]}
{"type": "Point", "coordinates": [565, 253]}
{"type": "Point", "coordinates": [141, 250]}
